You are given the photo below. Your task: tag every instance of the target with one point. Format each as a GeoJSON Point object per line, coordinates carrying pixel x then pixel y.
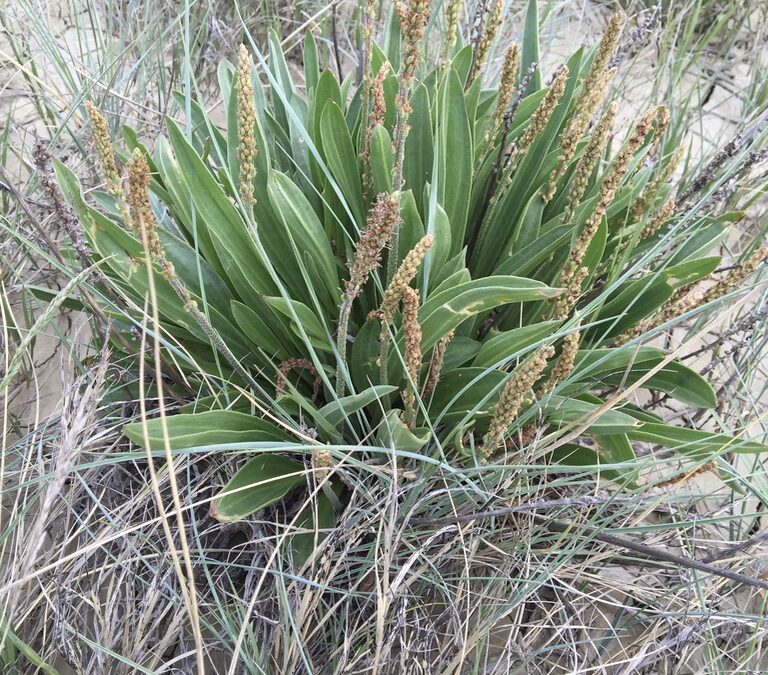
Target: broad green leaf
{"type": "Point", "coordinates": [364, 355]}
{"type": "Point", "coordinates": [530, 224]}
{"type": "Point", "coordinates": [462, 63]}
{"type": "Point", "coordinates": [506, 344]}
{"type": "Point", "coordinates": [381, 160]}
{"type": "Point", "coordinates": [314, 328]}
{"type": "Point", "coordinates": [593, 364]}
{"type": "Point", "coordinates": [202, 130]}
{"type": "Point", "coordinates": [391, 46]}
{"type": "Point", "coordinates": [530, 51]}
{"type": "Point", "coordinates": [393, 433]}
{"type": "Point", "coordinates": [214, 427]}
{"type": "Point", "coordinates": [234, 243]}
{"type": "Point", "coordinates": [259, 331]}
{"type": "Point", "coordinates": [183, 205]}
{"type": "Point", "coordinates": [341, 158]}
{"type": "Point", "coordinates": [674, 378]}
{"type": "Point", "coordinates": [461, 350]}
{"type": "Point", "coordinates": [452, 280]}
{"type": "Point", "coordinates": [318, 518]}
{"type": "Point", "coordinates": [262, 481]}
{"type": "Point", "coordinates": [327, 90]}
{"type": "Point", "coordinates": [455, 157]}
{"type": "Point", "coordinates": [561, 411]}
{"type": "Point", "coordinates": [704, 239]}
{"type": "Point", "coordinates": [526, 260]}
{"type": "Point", "coordinates": [465, 392]}
{"type": "Point", "coordinates": [417, 166]}
{"type": "Point", "coordinates": [617, 449]}
{"type": "Point", "coordinates": [630, 304]}
{"type": "Point", "coordinates": [125, 256]}
{"type": "Point", "coordinates": [570, 455]}
{"type": "Point", "coordinates": [337, 411]}
{"type": "Point", "coordinates": [311, 67]}
{"type": "Point", "coordinates": [283, 83]}
{"type": "Point", "coordinates": [411, 227]}
{"type": "Point", "coordinates": [447, 309]}
{"type": "Point", "coordinates": [438, 255]}
{"type": "Point", "coordinates": [690, 271]}
{"type": "Point", "coordinates": [306, 234]}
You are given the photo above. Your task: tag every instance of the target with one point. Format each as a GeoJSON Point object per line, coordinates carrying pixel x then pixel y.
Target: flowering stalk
{"type": "Point", "coordinates": [106, 155]}
{"type": "Point", "coordinates": [382, 220]}
{"type": "Point", "coordinates": [375, 117]}
{"type": "Point", "coordinates": [660, 217]}
{"type": "Point", "coordinates": [593, 90]}
{"type": "Point", "coordinates": [685, 300]}
{"type": "Point", "coordinates": [507, 80]}
{"type": "Point", "coordinates": [436, 364]}
{"type": "Point", "coordinates": [565, 362]}
{"type": "Point", "coordinates": [414, 15]}
{"type": "Point", "coordinates": [608, 188]}
{"type": "Point", "coordinates": [485, 39]}
{"type": "Point", "coordinates": [452, 10]}
{"type": "Point", "coordinates": [146, 227]}
{"type": "Point", "coordinates": [413, 357]}
{"type": "Point", "coordinates": [369, 20]}
{"type": "Point", "coordinates": [394, 294]}
{"type": "Point", "coordinates": [653, 187]}
{"type": "Point", "coordinates": [512, 397]}
{"type": "Point", "coordinates": [586, 164]}
{"type": "Point", "coordinates": [246, 121]}
{"type": "Point", "coordinates": [543, 112]}
{"type": "Point", "coordinates": [569, 140]}
{"type": "Point", "coordinates": [736, 276]}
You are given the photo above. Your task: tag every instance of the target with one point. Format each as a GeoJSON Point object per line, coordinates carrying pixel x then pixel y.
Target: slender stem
{"type": "Point", "coordinates": [384, 353]}
{"type": "Point", "coordinates": [341, 341]}
{"type": "Point", "coordinates": [401, 131]}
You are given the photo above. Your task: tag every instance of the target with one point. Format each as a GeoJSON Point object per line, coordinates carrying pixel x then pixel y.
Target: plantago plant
{"type": "Point", "coordinates": [417, 260]}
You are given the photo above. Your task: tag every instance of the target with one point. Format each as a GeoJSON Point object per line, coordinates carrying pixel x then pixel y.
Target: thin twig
{"type": "Point", "coordinates": [649, 552]}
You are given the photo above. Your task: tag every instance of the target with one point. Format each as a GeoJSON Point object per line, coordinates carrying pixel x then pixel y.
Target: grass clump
{"type": "Point", "coordinates": [519, 252]}
{"type": "Point", "coordinates": [386, 307]}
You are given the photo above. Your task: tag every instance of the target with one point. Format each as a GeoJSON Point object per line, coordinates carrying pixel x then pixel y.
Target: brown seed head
{"type": "Point", "coordinates": [452, 10]}
{"type": "Point", "coordinates": [322, 461]}
{"type": "Point", "coordinates": [589, 159]}
{"type": "Point", "coordinates": [577, 125]}
{"type": "Point", "coordinates": [572, 279]}
{"type": "Point", "coordinates": [608, 188]}
{"type": "Point", "coordinates": [543, 112]}
{"type": "Point", "coordinates": [736, 277]}
{"type": "Point", "coordinates": [507, 89]}
{"type": "Point", "coordinates": [104, 150]}
{"type": "Point", "coordinates": [413, 15]}
{"type": "Point", "coordinates": [512, 397]}
{"type": "Point", "coordinates": [246, 121]}
{"type": "Point", "coordinates": [565, 362]}
{"type": "Point", "coordinates": [403, 277]}
{"type": "Point", "coordinates": [436, 364]}
{"type": "Point", "coordinates": [138, 198]}
{"type": "Point", "coordinates": [284, 370]}
{"type": "Point", "coordinates": [382, 219]}
{"type": "Point", "coordinates": [412, 337]}
{"type": "Point", "coordinates": [653, 188]}
{"type": "Point", "coordinates": [605, 50]}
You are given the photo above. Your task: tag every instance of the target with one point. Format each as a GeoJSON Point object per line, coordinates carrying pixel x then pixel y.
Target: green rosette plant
{"type": "Point", "coordinates": [419, 259]}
